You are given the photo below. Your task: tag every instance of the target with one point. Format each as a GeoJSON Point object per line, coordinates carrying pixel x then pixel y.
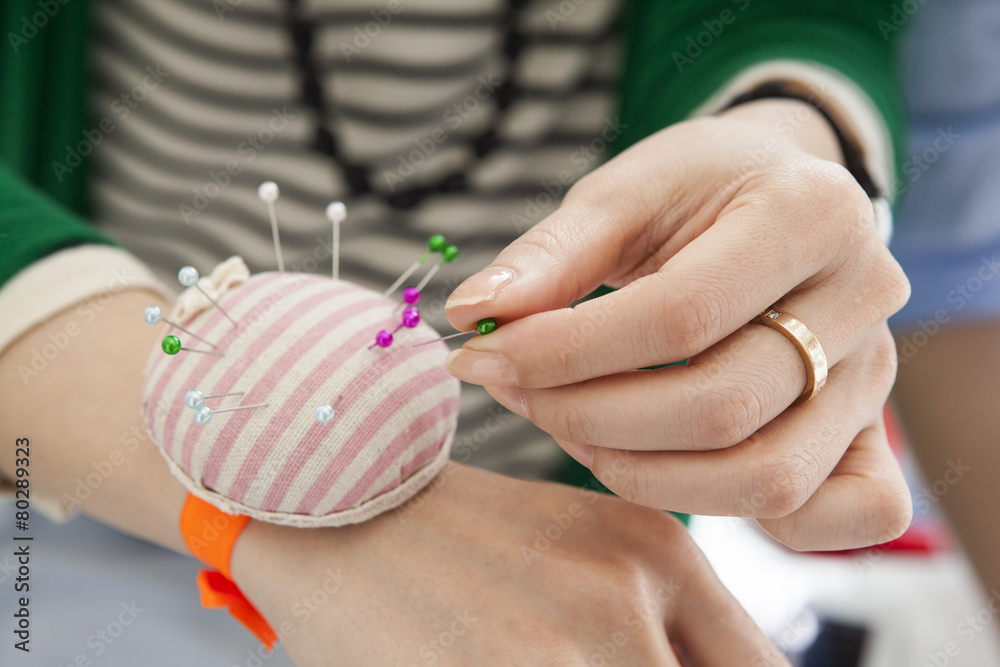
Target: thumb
{"type": "Point", "coordinates": [560, 260]}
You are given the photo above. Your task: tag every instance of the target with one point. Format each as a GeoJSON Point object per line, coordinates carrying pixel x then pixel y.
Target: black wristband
{"type": "Point", "coordinates": [853, 160]}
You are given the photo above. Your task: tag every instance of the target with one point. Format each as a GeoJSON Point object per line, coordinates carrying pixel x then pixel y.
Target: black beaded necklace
{"type": "Point", "coordinates": [357, 175]}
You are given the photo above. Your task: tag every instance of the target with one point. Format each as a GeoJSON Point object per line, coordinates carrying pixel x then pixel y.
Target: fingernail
{"type": "Point", "coordinates": [480, 367]}
{"type": "Point", "coordinates": [483, 287]}
{"type": "Point", "coordinates": [511, 398]}
{"type": "Point", "coordinates": [584, 454]}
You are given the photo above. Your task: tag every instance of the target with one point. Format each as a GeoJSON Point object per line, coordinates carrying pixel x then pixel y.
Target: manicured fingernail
{"type": "Point", "coordinates": [480, 367]}
{"type": "Point", "coordinates": [584, 454]}
{"type": "Point", "coordinates": [511, 398]}
{"type": "Point", "coordinates": [483, 287]}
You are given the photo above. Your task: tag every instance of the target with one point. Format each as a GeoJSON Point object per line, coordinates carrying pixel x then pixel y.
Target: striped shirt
{"type": "Point", "coordinates": [204, 102]}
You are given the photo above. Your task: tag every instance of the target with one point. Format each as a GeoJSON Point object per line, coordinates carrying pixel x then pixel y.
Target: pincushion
{"type": "Point", "coordinates": [300, 342]}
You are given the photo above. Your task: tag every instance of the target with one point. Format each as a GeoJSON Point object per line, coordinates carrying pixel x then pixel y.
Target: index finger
{"type": "Point", "coordinates": [717, 283]}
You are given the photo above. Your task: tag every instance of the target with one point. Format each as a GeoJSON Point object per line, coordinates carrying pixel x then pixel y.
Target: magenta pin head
{"type": "Point", "coordinates": [411, 295]}
{"type": "Point", "coordinates": [411, 317]}
{"type": "Point", "coordinates": [383, 338]}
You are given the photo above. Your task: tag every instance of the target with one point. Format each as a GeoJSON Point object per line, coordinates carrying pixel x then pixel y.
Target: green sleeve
{"type": "Point", "coordinates": [32, 225]}
{"type": "Point", "coordinates": [679, 53]}
{"type": "Point", "coordinates": [43, 85]}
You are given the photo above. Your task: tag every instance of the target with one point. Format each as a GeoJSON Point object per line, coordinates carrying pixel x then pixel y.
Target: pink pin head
{"type": "Point", "coordinates": [383, 338]}
{"type": "Point", "coordinates": [411, 295]}
{"type": "Point", "coordinates": [411, 317]}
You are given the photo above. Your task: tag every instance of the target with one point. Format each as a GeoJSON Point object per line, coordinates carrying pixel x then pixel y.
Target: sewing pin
{"type": "Point", "coordinates": [195, 399]}
{"type": "Point", "coordinates": [335, 213]}
{"type": "Point", "coordinates": [268, 193]}
{"type": "Point", "coordinates": [188, 277]}
{"type": "Point", "coordinates": [483, 327]}
{"type": "Point", "coordinates": [435, 244]}
{"type": "Point", "coordinates": [153, 315]}
{"type": "Point", "coordinates": [204, 414]}
{"type": "Point", "coordinates": [172, 345]}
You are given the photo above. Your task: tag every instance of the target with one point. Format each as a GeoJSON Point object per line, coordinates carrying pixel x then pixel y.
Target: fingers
{"type": "Point", "coordinates": [599, 232]}
{"type": "Point", "coordinates": [865, 501]}
{"type": "Point", "coordinates": [711, 628]}
{"type": "Point", "coordinates": [717, 400]}
{"type": "Point", "coordinates": [775, 471]}
{"type": "Point", "coordinates": [562, 259]}
{"type": "Point", "coordinates": [710, 288]}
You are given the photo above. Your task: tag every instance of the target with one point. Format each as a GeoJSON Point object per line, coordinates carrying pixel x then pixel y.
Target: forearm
{"type": "Point", "coordinates": [946, 396]}
{"type": "Point", "coordinates": [81, 413]}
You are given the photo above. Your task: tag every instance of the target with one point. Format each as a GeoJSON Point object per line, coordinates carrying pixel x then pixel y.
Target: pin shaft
{"type": "Point", "coordinates": [406, 274]}
{"type": "Point", "coordinates": [274, 233]}
{"type": "Point", "coordinates": [216, 304]}
{"type": "Point", "coordinates": [214, 354]}
{"type": "Point", "coordinates": [336, 250]}
{"type": "Point", "coordinates": [193, 335]}
{"type": "Point", "coordinates": [241, 407]}
{"type": "Point", "coordinates": [436, 340]}
{"type": "Point", "coordinates": [235, 393]}
{"type": "Point", "coordinates": [430, 274]}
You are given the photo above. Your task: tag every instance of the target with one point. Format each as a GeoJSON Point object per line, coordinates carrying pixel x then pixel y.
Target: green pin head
{"type": "Point", "coordinates": [450, 253]}
{"type": "Point", "coordinates": [436, 243]}
{"type": "Point", "coordinates": [171, 345]}
{"type": "Point", "coordinates": [486, 325]}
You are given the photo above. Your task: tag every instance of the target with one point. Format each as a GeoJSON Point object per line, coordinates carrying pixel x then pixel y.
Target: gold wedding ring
{"type": "Point", "coordinates": [807, 345]}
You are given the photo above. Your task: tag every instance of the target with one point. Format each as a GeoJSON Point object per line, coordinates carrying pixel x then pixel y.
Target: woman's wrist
{"type": "Point", "coordinates": [793, 121]}
{"type": "Point", "coordinates": [275, 569]}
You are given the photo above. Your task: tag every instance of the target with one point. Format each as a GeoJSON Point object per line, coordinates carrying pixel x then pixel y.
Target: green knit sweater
{"type": "Point", "coordinates": [678, 52]}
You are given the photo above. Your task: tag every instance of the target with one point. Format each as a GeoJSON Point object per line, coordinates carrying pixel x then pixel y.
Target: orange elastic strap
{"type": "Point", "coordinates": [210, 534]}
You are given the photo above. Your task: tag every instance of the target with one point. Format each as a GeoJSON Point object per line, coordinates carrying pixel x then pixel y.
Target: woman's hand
{"type": "Point", "coordinates": [486, 570]}
{"type": "Point", "coordinates": [703, 226]}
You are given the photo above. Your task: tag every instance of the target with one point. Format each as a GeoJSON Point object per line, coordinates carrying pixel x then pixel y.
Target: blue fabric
{"type": "Point", "coordinates": [947, 234]}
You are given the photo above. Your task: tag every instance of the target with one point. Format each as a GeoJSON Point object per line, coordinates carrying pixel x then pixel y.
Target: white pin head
{"type": "Point", "coordinates": [194, 399]}
{"type": "Point", "coordinates": [336, 212]}
{"type": "Point", "coordinates": [188, 276]}
{"type": "Point", "coordinates": [268, 191]}
{"type": "Point", "coordinates": [152, 315]}
{"type": "Point", "coordinates": [324, 413]}
{"type": "Point", "coordinates": [203, 415]}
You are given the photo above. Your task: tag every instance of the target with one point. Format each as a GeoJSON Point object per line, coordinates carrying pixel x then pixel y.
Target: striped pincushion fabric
{"type": "Point", "coordinates": [301, 341]}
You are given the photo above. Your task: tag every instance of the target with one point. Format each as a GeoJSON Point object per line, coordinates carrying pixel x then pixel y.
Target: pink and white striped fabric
{"type": "Point", "coordinates": [301, 341]}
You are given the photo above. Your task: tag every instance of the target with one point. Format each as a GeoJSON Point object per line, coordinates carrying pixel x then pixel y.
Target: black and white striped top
{"type": "Point", "coordinates": [206, 103]}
